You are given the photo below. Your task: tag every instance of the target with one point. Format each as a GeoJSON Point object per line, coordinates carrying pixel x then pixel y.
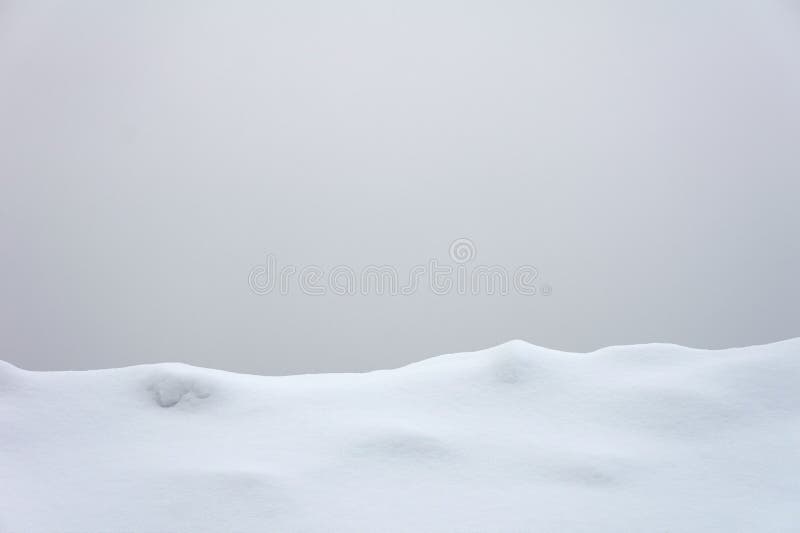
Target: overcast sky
{"type": "Point", "coordinates": [643, 156]}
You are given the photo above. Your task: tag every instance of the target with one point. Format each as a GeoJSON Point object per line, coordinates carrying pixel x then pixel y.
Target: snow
{"type": "Point", "coordinates": [514, 438]}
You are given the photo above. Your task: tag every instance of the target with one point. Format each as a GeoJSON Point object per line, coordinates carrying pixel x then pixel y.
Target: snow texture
{"type": "Point", "coordinates": [516, 438]}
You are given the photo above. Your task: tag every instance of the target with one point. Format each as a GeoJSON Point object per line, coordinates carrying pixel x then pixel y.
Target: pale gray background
{"type": "Point", "coordinates": [644, 155]}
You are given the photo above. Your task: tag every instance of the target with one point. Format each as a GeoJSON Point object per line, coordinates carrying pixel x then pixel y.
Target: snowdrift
{"type": "Point", "coordinates": [511, 439]}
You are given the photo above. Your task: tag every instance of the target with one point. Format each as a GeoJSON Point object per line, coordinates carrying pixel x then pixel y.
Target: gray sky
{"type": "Point", "coordinates": [643, 156]}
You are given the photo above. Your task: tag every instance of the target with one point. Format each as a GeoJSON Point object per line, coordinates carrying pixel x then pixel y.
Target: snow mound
{"type": "Point", "coordinates": [514, 438]}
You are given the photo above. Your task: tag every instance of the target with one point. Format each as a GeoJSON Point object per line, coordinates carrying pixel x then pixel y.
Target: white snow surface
{"type": "Point", "coordinates": [516, 438]}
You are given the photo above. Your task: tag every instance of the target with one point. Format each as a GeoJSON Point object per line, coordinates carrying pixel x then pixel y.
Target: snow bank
{"type": "Point", "coordinates": [514, 438]}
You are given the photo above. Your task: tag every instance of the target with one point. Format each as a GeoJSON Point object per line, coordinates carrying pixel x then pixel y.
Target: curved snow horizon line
{"type": "Point", "coordinates": [514, 345]}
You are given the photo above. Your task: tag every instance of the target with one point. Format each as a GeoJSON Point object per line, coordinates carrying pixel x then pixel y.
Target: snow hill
{"type": "Point", "coordinates": [648, 438]}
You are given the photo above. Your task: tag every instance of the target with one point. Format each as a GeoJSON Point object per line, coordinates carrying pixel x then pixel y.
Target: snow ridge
{"type": "Point", "coordinates": [653, 437]}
